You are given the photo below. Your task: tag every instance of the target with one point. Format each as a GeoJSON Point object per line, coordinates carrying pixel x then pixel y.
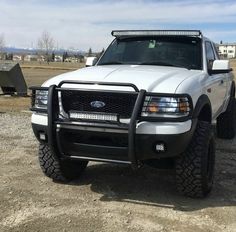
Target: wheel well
{"type": "Point", "coordinates": [233, 89]}
{"type": "Point", "coordinates": [205, 113]}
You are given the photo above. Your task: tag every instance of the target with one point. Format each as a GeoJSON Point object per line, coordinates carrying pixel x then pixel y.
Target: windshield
{"type": "Point", "coordinates": [182, 52]}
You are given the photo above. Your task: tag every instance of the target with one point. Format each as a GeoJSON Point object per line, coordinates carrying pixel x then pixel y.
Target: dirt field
{"type": "Point", "coordinates": [107, 197]}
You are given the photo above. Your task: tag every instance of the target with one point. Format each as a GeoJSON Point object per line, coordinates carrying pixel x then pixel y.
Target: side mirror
{"type": "Point", "coordinates": [220, 66]}
{"type": "Point", "coordinates": [91, 61]}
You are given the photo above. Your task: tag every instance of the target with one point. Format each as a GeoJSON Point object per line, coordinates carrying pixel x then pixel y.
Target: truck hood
{"type": "Point", "coordinates": [160, 79]}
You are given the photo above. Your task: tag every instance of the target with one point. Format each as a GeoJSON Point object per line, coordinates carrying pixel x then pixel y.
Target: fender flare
{"type": "Point", "coordinates": [202, 102]}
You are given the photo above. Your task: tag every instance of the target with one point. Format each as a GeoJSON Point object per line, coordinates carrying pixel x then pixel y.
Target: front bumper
{"type": "Point", "coordinates": [93, 143]}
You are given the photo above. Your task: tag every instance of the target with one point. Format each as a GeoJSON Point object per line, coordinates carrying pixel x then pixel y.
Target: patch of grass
{"type": "Point", "coordinates": [14, 103]}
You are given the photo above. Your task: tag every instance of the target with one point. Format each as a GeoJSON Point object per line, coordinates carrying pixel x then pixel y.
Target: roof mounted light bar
{"type": "Point", "coordinates": [127, 33]}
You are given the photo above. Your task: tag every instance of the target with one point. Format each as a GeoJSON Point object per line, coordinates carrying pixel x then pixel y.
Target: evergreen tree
{"type": "Point", "coordinates": [53, 56]}
{"type": "Point", "coordinates": [90, 52]}
{"type": "Point", "coordinates": [64, 56]}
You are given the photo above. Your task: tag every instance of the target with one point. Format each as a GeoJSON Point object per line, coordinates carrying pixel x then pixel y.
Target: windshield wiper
{"type": "Point", "coordinates": [110, 63]}
{"type": "Point", "coordinates": [156, 63]}
{"type": "Point", "coordinates": [163, 64]}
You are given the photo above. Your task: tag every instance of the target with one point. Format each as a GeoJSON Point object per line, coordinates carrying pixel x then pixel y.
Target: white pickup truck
{"type": "Point", "coordinates": [150, 99]}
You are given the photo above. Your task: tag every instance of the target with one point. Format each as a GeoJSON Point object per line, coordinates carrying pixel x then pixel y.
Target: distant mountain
{"type": "Point", "coordinates": [19, 50]}
{"type": "Point", "coordinates": [15, 50]}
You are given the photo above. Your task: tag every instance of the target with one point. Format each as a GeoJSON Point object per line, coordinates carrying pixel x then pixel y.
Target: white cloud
{"type": "Point", "coordinates": [88, 24]}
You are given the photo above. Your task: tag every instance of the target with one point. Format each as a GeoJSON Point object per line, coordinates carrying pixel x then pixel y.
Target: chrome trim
{"type": "Point", "coordinates": [100, 160]}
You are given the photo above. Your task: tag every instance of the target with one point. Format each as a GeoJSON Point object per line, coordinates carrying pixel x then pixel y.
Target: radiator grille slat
{"type": "Point", "coordinates": [116, 103]}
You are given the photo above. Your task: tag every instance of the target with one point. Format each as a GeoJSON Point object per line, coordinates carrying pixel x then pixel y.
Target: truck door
{"type": "Point", "coordinates": [216, 83]}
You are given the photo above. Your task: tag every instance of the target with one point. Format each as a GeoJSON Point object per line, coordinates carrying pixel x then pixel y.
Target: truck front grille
{"type": "Point", "coordinates": [115, 103]}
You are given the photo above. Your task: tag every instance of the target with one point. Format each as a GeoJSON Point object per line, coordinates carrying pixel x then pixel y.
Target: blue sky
{"type": "Point", "coordinates": [84, 24]}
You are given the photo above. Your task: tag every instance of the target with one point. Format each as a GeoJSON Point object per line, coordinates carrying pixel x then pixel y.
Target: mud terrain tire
{"type": "Point", "coordinates": [195, 167]}
{"type": "Point", "coordinates": [62, 171]}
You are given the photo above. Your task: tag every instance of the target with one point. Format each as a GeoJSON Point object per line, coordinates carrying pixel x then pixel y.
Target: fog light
{"type": "Point", "coordinates": [160, 147]}
{"type": "Point", "coordinates": [42, 136]}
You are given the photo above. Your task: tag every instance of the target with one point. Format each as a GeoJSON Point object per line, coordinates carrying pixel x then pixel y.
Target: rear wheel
{"type": "Point", "coordinates": [59, 170]}
{"type": "Point", "coordinates": [195, 167]}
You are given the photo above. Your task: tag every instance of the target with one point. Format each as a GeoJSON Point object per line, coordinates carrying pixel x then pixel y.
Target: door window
{"type": "Point", "coordinates": [209, 55]}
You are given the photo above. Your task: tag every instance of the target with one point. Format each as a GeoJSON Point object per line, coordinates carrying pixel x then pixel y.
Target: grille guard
{"type": "Point", "coordinates": [53, 109]}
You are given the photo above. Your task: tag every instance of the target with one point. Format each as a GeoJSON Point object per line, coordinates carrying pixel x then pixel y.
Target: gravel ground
{"type": "Point", "coordinates": [107, 197]}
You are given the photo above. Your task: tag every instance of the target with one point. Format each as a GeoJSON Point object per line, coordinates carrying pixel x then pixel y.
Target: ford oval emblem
{"type": "Point", "coordinates": [97, 104]}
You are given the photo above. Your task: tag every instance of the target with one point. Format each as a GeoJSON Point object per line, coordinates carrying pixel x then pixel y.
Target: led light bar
{"type": "Point", "coordinates": [93, 116]}
{"type": "Point", "coordinates": [156, 33]}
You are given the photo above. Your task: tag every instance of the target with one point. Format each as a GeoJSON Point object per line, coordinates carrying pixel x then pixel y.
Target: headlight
{"type": "Point", "coordinates": [40, 99]}
{"type": "Point", "coordinates": [165, 106]}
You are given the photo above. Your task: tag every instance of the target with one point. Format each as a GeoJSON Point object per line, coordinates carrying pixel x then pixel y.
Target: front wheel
{"type": "Point", "coordinates": [59, 170]}
{"type": "Point", "coordinates": [195, 167]}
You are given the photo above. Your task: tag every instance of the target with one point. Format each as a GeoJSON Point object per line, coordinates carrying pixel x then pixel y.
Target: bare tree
{"type": "Point", "coordinates": [2, 44]}
{"type": "Point", "coordinates": [46, 44]}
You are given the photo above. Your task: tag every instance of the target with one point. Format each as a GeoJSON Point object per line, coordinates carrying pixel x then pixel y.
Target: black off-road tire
{"type": "Point", "coordinates": [226, 122]}
{"type": "Point", "coordinates": [195, 167]}
{"type": "Point", "coordinates": [59, 170]}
